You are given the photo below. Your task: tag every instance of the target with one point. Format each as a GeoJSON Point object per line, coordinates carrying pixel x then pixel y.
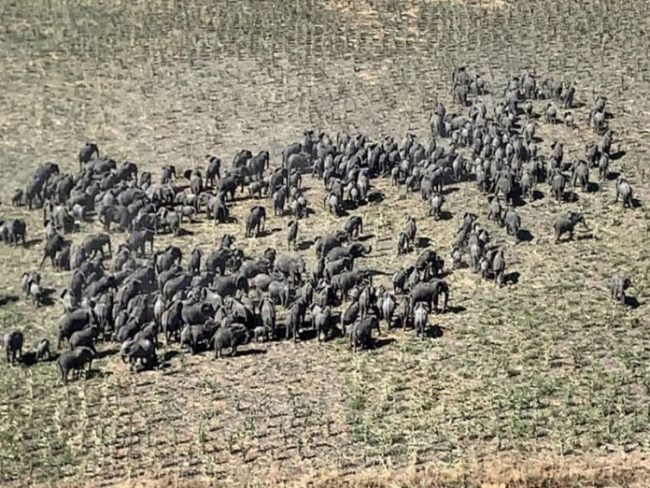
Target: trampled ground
{"type": "Point", "coordinates": [546, 370]}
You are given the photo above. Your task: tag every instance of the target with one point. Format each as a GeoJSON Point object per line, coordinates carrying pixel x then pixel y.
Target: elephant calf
{"type": "Point", "coordinates": [566, 224]}
{"type": "Point", "coordinates": [42, 350]}
{"type": "Point", "coordinates": [361, 332]}
{"type": "Point", "coordinates": [143, 349]}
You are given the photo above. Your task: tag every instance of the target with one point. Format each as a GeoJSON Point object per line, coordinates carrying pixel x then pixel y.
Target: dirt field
{"type": "Point", "coordinates": [544, 382]}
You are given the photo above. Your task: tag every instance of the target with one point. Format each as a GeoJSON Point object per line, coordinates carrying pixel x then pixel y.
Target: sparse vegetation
{"type": "Point", "coordinates": [547, 369]}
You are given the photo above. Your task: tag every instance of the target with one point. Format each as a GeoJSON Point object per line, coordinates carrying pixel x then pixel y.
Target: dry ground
{"type": "Point", "coordinates": [546, 370]}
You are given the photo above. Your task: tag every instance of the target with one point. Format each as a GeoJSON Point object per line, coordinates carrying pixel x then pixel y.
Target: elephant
{"type": "Point", "coordinates": [164, 260]}
{"type": "Point", "coordinates": [228, 186]}
{"type": "Point", "coordinates": [255, 221]}
{"type": "Point", "coordinates": [429, 262]}
{"type": "Point", "coordinates": [253, 268]}
{"type": "Point", "coordinates": [194, 265]}
{"type": "Point", "coordinates": [218, 210]}
{"type": "Point", "coordinates": [322, 321]}
{"type": "Point", "coordinates": [13, 231]}
{"type": "Point", "coordinates": [168, 174]}
{"type": "Point", "coordinates": [262, 333]}
{"type": "Point", "coordinates": [550, 113]}
{"type": "Point", "coordinates": [354, 250]}
{"type": "Point", "coordinates": [403, 243]}
{"type": "Point", "coordinates": [495, 210]}
{"type": "Point", "coordinates": [580, 174]}
{"type": "Point", "coordinates": [230, 337]}
{"type": "Point", "coordinates": [338, 266]}
{"type": "Point", "coordinates": [75, 321]}
{"type": "Point", "coordinates": [85, 337]}
{"type": "Point", "coordinates": [567, 223]}
{"type": "Point", "coordinates": [328, 242]}
{"type": "Point", "coordinates": [420, 318]}
{"type": "Point", "coordinates": [128, 171]}
{"type": "Point", "coordinates": [512, 222]}
{"type": "Point", "coordinates": [435, 205]}
{"type": "Point", "coordinates": [498, 264]}
{"type": "Point", "coordinates": [292, 267]}
{"type": "Point", "coordinates": [279, 291]}
{"type": "Point", "coordinates": [87, 152]}
{"type": "Point", "coordinates": [101, 286]}
{"type": "Point", "coordinates": [354, 226]}
{"type": "Point", "coordinates": [460, 92]}
{"type": "Point", "coordinates": [13, 345]}
{"type": "Point", "coordinates": [137, 240]}
{"type": "Point", "coordinates": [257, 164]}
{"type": "Point", "coordinates": [617, 286]}
{"type": "Point", "coordinates": [74, 360]}
{"type": "Point", "coordinates": [344, 282]}
{"type": "Point", "coordinates": [172, 320]}
{"type": "Point", "coordinates": [229, 285]}
{"type": "Point", "coordinates": [197, 313]}
{"type": "Point", "coordinates": [295, 319]}
{"type": "Point", "coordinates": [175, 285]}
{"type": "Point", "coordinates": [212, 171]}
{"type": "Point", "coordinates": [195, 335]}
{"type": "Point", "coordinates": [400, 278]}
{"type": "Point", "coordinates": [558, 183]}
{"type": "Point", "coordinates": [430, 292]}
{"type": "Point", "coordinates": [361, 332]}
{"type": "Point", "coordinates": [169, 220]}
{"type": "Point", "coordinates": [624, 192]}
{"type": "Point", "coordinates": [268, 315]}
{"type": "Point", "coordinates": [95, 243]}
{"type": "Point", "coordinates": [143, 349]}
{"type": "Point", "coordinates": [43, 350]}
{"type": "Point", "coordinates": [292, 234]}
{"type": "Point", "coordinates": [603, 166]}
{"type": "Point", "coordinates": [333, 203]}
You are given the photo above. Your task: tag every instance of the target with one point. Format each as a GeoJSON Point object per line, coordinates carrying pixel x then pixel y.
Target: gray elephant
{"type": "Point", "coordinates": [338, 266]}
{"type": "Point", "coordinates": [255, 221]}
{"type": "Point", "coordinates": [354, 226]}
{"type": "Point", "coordinates": [435, 205]}
{"type": "Point", "coordinates": [580, 175]}
{"type": "Point", "coordinates": [403, 243]}
{"type": "Point", "coordinates": [95, 243]}
{"type": "Point", "coordinates": [12, 342]}
{"type": "Point", "coordinates": [229, 337]}
{"type": "Point", "coordinates": [84, 338]}
{"type": "Point", "coordinates": [624, 192]}
{"type": "Point", "coordinates": [512, 222]}
{"type": "Point", "coordinates": [268, 315]}
{"type": "Point", "coordinates": [617, 286]}
{"type": "Point", "coordinates": [195, 335]}
{"type": "Point", "coordinates": [566, 224]}
{"type": "Point", "coordinates": [43, 350]}
{"type": "Point", "coordinates": [13, 231]}
{"type": "Point", "coordinates": [460, 92]}
{"type": "Point", "coordinates": [138, 239]}
{"type": "Point", "coordinates": [87, 152]}
{"type": "Point", "coordinates": [295, 319]}
{"type": "Point", "coordinates": [430, 293]}
{"type": "Point", "coordinates": [74, 360]}
{"type": "Point", "coordinates": [420, 318]}
{"type": "Point", "coordinates": [333, 203]}
{"type": "Point", "coordinates": [171, 321]}
{"type": "Point", "coordinates": [75, 321]}
{"type": "Point", "coordinates": [142, 349]}
{"type": "Point", "coordinates": [498, 263]}
{"type": "Point", "coordinates": [292, 234]}
{"type": "Point", "coordinates": [360, 332]}
{"type": "Point", "coordinates": [279, 292]}
{"type": "Point", "coordinates": [292, 267]}
{"type": "Point", "coordinates": [558, 184]}
{"type": "Point", "coordinates": [322, 321]}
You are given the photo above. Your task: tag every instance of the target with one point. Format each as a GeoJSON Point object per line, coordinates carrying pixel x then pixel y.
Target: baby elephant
{"type": "Point", "coordinates": [13, 344]}
{"type": "Point", "coordinates": [617, 286]}
{"type": "Point", "coordinates": [42, 350]}
{"type": "Point", "coordinates": [75, 360]}
{"type": "Point", "coordinates": [262, 333]}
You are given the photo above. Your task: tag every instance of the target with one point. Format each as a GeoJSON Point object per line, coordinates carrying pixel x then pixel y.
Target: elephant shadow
{"type": "Point", "coordinates": [265, 233]}
{"type": "Point", "coordinates": [538, 195]}
{"type": "Point", "coordinates": [617, 155]}
{"type": "Point", "coordinates": [378, 343]}
{"type": "Point", "coordinates": [183, 231]}
{"type": "Point", "coordinates": [449, 190]}
{"type": "Point", "coordinates": [592, 187]}
{"type": "Point", "coordinates": [636, 203]}
{"type": "Point", "coordinates": [8, 299]}
{"type": "Point", "coordinates": [250, 352]}
{"type": "Point", "coordinates": [107, 352]}
{"type": "Point", "coordinates": [445, 215]}
{"type": "Point", "coordinates": [366, 237]}
{"type": "Point", "coordinates": [632, 302]}
{"type": "Point", "coordinates": [571, 196]}
{"type": "Point", "coordinates": [613, 175]}
{"type": "Point", "coordinates": [375, 197]}
{"type": "Point", "coordinates": [32, 242]}
{"type": "Point", "coordinates": [456, 309]}
{"type": "Point", "coordinates": [524, 235]}
{"type": "Point", "coordinates": [511, 278]}
{"type": "Point", "coordinates": [433, 332]}
{"type": "Point", "coordinates": [423, 242]}
{"type": "Point", "coordinates": [376, 272]}
{"type": "Point", "coordinates": [98, 373]}
{"type": "Point", "coordinates": [46, 298]}
{"type": "Point", "coordinates": [304, 245]}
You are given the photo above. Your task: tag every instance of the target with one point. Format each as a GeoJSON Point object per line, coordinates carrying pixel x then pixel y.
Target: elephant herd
{"type": "Point", "coordinates": [221, 299]}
